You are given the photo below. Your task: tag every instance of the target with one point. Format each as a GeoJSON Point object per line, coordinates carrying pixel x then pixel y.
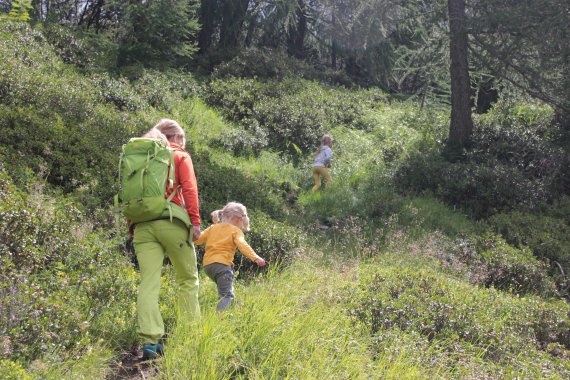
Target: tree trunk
{"type": "Point", "coordinates": [461, 127]}
{"type": "Point", "coordinates": [206, 18]}
{"type": "Point", "coordinates": [233, 16]}
{"type": "Point", "coordinates": [334, 46]}
{"type": "Point", "coordinates": [296, 37]}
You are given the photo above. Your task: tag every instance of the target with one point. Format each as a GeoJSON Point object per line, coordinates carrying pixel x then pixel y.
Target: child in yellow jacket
{"type": "Point", "coordinates": [221, 239]}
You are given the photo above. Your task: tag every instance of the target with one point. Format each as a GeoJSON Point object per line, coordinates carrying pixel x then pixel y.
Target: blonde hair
{"type": "Point", "coordinates": [230, 211]}
{"type": "Point", "coordinates": [217, 216]}
{"type": "Point", "coordinates": [155, 134]}
{"type": "Point", "coordinates": [325, 140]}
{"type": "Point", "coordinates": [170, 128]}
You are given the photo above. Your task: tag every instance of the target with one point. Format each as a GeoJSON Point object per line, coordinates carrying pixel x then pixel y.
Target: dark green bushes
{"type": "Point", "coordinates": [220, 185]}
{"type": "Point", "coordinates": [512, 269]}
{"type": "Point", "coordinates": [481, 190]}
{"type": "Point", "coordinates": [80, 47]}
{"type": "Point", "coordinates": [68, 128]}
{"type": "Point", "coordinates": [53, 121]}
{"type": "Point", "coordinates": [489, 260]}
{"type": "Point", "coordinates": [60, 285]}
{"type": "Point", "coordinates": [278, 243]}
{"type": "Point", "coordinates": [291, 112]}
{"type": "Point", "coordinates": [275, 64]}
{"type": "Point", "coordinates": [547, 236]}
{"type": "Point", "coordinates": [458, 318]}
{"type": "Point", "coordinates": [70, 154]}
{"type": "Point", "coordinates": [512, 164]}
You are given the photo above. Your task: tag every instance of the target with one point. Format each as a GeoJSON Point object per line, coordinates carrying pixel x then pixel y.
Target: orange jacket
{"type": "Point", "coordinates": [187, 195]}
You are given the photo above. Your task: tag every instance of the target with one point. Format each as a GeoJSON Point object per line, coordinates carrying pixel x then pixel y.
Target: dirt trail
{"type": "Point", "coordinates": [128, 366]}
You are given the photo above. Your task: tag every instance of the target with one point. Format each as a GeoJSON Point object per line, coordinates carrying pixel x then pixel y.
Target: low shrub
{"type": "Point", "coordinates": [480, 189]}
{"type": "Point", "coordinates": [244, 142]}
{"type": "Point", "coordinates": [292, 112]}
{"type": "Point", "coordinates": [80, 47]}
{"type": "Point", "coordinates": [492, 262]}
{"type": "Point", "coordinates": [219, 185]}
{"type": "Point", "coordinates": [10, 370]}
{"type": "Point", "coordinates": [458, 318]}
{"type": "Point", "coordinates": [276, 64]}
{"type": "Point", "coordinates": [55, 288]}
{"type": "Point", "coordinates": [278, 243]}
{"type": "Point", "coordinates": [548, 237]}
{"type": "Point", "coordinates": [513, 163]}
{"type": "Point", "coordinates": [403, 129]}
{"type": "Point", "coordinates": [514, 269]}
{"type": "Point", "coordinates": [118, 92]}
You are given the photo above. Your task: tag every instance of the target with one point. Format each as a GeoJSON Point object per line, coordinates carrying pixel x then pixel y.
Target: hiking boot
{"type": "Point", "coordinates": [152, 351]}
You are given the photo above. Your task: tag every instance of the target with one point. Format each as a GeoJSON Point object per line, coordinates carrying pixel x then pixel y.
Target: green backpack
{"type": "Point", "coordinates": [146, 171]}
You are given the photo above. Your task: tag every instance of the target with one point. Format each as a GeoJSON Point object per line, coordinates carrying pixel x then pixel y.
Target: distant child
{"type": "Point", "coordinates": [321, 163]}
{"type": "Point", "coordinates": [221, 239]}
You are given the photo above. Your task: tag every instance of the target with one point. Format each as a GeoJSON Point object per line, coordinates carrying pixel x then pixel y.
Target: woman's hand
{"type": "Point", "coordinates": [196, 233]}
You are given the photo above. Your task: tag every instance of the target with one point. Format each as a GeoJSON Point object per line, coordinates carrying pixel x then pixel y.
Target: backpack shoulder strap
{"type": "Point", "coordinates": [171, 169]}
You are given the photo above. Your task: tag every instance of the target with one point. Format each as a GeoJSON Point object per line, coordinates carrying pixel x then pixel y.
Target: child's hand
{"type": "Point", "coordinates": [260, 262]}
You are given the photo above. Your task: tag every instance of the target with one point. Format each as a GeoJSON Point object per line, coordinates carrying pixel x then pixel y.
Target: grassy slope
{"type": "Point", "coordinates": [297, 324]}
{"type": "Point", "coordinates": [304, 322]}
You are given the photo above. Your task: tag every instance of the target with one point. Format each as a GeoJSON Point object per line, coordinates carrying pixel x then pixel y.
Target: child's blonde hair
{"type": "Point", "coordinates": [325, 140]}
{"type": "Point", "coordinates": [154, 133]}
{"type": "Point", "coordinates": [230, 211]}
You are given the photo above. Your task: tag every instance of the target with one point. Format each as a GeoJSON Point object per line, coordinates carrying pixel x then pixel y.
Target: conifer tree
{"type": "Point", "coordinates": [158, 33]}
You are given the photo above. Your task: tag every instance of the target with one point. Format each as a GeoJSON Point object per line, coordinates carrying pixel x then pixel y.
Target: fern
{"type": "Point", "coordinates": [20, 10]}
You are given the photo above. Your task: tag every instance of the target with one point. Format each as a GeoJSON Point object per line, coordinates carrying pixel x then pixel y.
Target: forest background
{"type": "Point", "coordinates": [441, 250]}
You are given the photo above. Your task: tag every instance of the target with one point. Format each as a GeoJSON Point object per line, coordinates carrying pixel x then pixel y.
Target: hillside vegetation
{"type": "Point", "coordinates": [411, 266]}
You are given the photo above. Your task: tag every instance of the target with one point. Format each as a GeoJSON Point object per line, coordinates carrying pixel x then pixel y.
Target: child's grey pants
{"type": "Point", "coordinates": [223, 276]}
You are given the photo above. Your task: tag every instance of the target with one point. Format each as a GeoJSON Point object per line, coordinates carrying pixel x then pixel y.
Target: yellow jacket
{"type": "Point", "coordinates": [221, 241]}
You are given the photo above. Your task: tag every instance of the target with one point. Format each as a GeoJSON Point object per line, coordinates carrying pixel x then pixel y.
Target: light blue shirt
{"type": "Point", "coordinates": [323, 158]}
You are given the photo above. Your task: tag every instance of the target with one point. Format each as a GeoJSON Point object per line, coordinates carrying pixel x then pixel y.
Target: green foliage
{"type": "Point", "coordinates": [548, 237]}
{"type": "Point", "coordinates": [505, 332]}
{"type": "Point", "coordinates": [508, 40]}
{"type": "Point", "coordinates": [55, 293]}
{"type": "Point", "coordinates": [10, 370]}
{"type": "Point", "coordinates": [512, 269]}
{"type": "Point", "coordinates": [163, 89]}
{"type": "Point", "coordinates": [220, 184]}
{"type": "Point", "coordinates": [83, 48]}
{"type": "Point", "coordinates": [247, 140]}
{"type": "Point", "coordinates": [275, 64]}
{"type": "Point", "coordinates": [157, 33]}
{"type": "Point", "coordinates": [403, 129]}
{"type": "Point", "coordinates": [118, 92]}
{"type": "Point", "coordinates": [20, 10]}
{"type": "Point", "coordinates": [52, 118]}
{"type": "Point", "coordinates": [512, 164]}
{"type": "Point", "coordinates": [278, 243]}
{"type": "Point", "coordinates": [482, 190]}
{"type": "Point", "coordinates": [291, 112]}
{"type": "Point", "coordinates": [68, 128]}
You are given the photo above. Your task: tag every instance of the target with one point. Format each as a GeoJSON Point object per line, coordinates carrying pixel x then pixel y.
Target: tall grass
{"type": "Point", "coordinates": [289, 325]}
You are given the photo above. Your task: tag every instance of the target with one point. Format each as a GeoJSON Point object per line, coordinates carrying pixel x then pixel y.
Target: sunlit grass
{"type": "Point", "coordinates": [291, 325]}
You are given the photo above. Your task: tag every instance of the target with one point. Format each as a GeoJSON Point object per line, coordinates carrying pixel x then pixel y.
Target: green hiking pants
{"type": "Point", "coordinates": [153, 241]}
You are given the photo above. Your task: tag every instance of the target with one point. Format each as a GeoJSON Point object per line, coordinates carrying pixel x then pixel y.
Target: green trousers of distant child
{"type": "Point", "coordinates": [153, 241]}
{"type": "Point", "coordinates": [319, 171]}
